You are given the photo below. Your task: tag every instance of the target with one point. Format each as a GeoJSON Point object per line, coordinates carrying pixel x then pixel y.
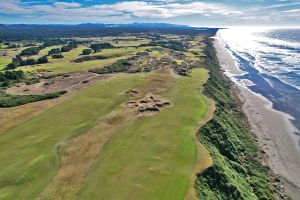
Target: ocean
{"type": "Point", "coordinates": [270, 63]}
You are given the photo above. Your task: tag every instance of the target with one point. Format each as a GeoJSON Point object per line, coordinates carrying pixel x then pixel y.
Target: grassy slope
{"type": "Point", "coordinates": [236, 173]}
{"type": "Point", "coordinates": [152, 157]}
{"type": "Point", "coordinates": [27, 152]}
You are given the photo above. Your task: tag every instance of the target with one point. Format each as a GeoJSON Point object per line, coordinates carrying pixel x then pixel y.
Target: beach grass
{"type": "Point", "coordinates": [237, 172]}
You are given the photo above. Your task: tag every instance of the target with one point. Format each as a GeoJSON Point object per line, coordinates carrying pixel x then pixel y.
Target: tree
{"type": "Point", "coordinates": [30, 51]}
{"type": "Point", "coordinates": [54, 51]}
{"type": "Point", "coordinates": [100, 46]}
{"type": "Point", "coordinates": [69, 47]}
{"type": "Point", "coordinates": [42, 60]}
{"type": "Point", "coordinates": [30, 61]}
{"type": "Point", "coordinates": [86, 51]}
{"type": "Point", "coordinates": [11, 66]}
{"type": "Point", "coordinates": [57, 56]}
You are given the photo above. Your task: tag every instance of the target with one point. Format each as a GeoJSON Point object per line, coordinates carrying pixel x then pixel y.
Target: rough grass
{"type": "Point", "coordinates": [152, 157]}
{"type": "Point", "coordinates": [12, 117]}
{"type": "Point", "coordinates": [28, 151]}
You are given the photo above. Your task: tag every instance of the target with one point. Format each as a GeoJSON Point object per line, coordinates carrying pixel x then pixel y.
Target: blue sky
{"type": "Point", "coordinates": [190, 12]}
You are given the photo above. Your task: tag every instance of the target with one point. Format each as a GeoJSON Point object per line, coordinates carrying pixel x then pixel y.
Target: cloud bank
{"type": "Point", "coordinates": [129, 11]}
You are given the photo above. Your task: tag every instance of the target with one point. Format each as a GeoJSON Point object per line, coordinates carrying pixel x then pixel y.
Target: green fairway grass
{"type": "Point", "coordinates": [28, 152]}
{"type": "Point", "coordinates": [121, 51]}
{"type": "Point", "coordinates": [152, 157]}
{"type": "Point", "coordinates": [63, 67]}
{"type": "Point", "coordinates": [149, 157]}
{"type": "Point", "coordinates": [4, 61]}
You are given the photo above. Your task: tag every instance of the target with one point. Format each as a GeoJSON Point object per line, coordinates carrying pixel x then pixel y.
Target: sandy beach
{"type": "Point", "coordinates": [275, 133]}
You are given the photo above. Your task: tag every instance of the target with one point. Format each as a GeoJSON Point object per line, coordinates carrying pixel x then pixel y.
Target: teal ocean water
{"type": "Point", "coordinates": [270, 60]}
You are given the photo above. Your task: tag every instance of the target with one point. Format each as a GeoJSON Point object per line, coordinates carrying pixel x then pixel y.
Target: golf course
{"type": "Point", "coordinates": [123, 114]}
{"type": "Point", "coordinates": [146, 157]}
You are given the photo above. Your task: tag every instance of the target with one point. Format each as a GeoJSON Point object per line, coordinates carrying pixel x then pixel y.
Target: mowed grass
{"type": "Point", "coordinates": [121, 51]}
{"type": "Point", "coordinates": [153, 157]}
{"type": "Point", "coordinates": [28, 152]}
{"type": "Point", "coordinates": [4, 61]}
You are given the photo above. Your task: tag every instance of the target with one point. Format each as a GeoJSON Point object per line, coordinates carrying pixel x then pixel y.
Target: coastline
{"type": "Point", "coordinates": [273, 129]}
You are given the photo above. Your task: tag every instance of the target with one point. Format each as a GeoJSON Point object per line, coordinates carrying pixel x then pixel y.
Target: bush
{"type": "Point", "coordinates": [8, 100]}
{"type": "Point", "coordinates": [69, 47]}
{"type": "Point", "coordinates": [11, 66]}
{"type": "Point", "coordinates": [55, 56]}
{"type": "Point", "coordinates": [30, 51]}
{"type": "Point", "coordinates": [11, 75]}
{"type": "Point", "coordinates": [100, 46]}
{"type": "Point", "coordinates": [87, 51]}
{"type": "Point", "coordinates": [87, 58]}
{"type": "Point", "coordinates": [54, 51]}
{"type": "Point", "coordinates": [120, 66]}
{"type": "Point", "coordinates": [30, 61]}
{"type": "Point", "coordinates": [42, 60]}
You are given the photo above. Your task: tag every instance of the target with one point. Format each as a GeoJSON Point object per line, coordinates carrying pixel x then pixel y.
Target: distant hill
{"type": "Point", "coordinates": [44, 31]}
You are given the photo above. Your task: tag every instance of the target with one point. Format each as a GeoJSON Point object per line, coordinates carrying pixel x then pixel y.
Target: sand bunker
{"type": "Point", "coordinates": [150, 104]}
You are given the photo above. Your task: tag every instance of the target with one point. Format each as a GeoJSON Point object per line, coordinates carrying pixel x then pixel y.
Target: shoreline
{"type": "Point", "coordinates": [273, 129]}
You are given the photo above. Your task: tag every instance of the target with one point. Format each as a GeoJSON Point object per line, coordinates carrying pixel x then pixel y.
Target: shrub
{"type": "Point", "coordinates": [55, 56]}
{"type": "Point", "coordinates": [11, 66]}
{"type": "Point", "coordinates": [42, 60]}
{"type": "Point", "coordinates": [120, 66]}
{"type": "Point", "coordinates": [87, 51]}
{"type": "Point", "coordinates": [30, 51]}
{"type": "Point", "coordinates": [8, 100]}
{"type": "Point", "coordinates": [54, 51]}
{"type": "Point", "coordinates": [100, 46]}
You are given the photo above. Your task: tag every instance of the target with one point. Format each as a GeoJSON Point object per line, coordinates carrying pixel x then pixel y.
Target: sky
{"type": "Point", "coordinates": [213, 13]}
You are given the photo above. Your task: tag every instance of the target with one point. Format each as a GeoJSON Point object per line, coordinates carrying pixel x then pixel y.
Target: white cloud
{"type": "Point", "coordinates": [292, 11]}
{"type": "Point", "coordinates": [145, 10]}
{"type": "Point", "coordinates": [66, 5]}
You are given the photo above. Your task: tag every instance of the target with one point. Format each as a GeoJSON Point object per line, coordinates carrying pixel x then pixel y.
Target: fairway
{"type": "Point", "coordinates": [28, 152]}
{"type": "Point", "coordinates": [152, 157]}
{"type": "Point", "coordinates": [160, 148]}
{"type": "Point", "coordinates": [3, 62]}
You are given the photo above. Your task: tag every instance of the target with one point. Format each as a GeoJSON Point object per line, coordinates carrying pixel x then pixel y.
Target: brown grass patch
{"type": "Point", "coordinates": [158, 83]}
{"type": "Point", "coordinates": [12, 117]}
{"type": "Point", "coordinates": [78, 155]}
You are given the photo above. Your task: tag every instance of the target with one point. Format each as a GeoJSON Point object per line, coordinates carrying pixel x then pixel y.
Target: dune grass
{"type": "Point", "coordinates": [152, 157]}
{"type": "Point", "coordinates": [28, 151]}
{"type": "Point", "coordinates": [237, 172]}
